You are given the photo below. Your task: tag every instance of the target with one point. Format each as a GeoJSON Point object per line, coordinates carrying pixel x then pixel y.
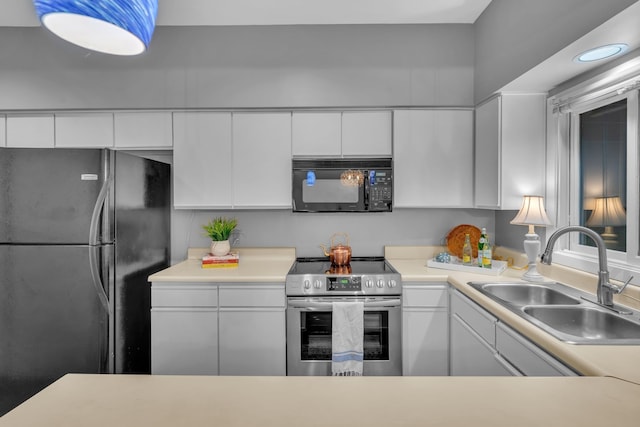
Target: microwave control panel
{"type": "Point", "coordinates": [380, 189]}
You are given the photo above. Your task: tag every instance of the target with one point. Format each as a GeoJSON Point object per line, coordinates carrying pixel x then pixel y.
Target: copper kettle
{"type": "Point", "coordinates": [338, 254]}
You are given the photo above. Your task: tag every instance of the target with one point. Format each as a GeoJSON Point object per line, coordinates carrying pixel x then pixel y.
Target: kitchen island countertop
{"type": "Point", "coordinates": [151, 400]}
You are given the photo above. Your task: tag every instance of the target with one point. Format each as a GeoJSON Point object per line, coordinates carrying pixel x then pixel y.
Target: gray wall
{"type": "Point", "coordinates": [512, 36]}
{"type": "Point", "coordinates": [368, 233]}
{"type": "Point", "coordinates": [238, 67]}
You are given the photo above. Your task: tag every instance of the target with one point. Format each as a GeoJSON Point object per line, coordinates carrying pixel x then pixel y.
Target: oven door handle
{"type": "Point", "coordinates": [325, 305]}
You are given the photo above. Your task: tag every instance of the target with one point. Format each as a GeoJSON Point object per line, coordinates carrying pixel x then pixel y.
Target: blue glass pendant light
{"type": "Point", "coordinates": [117, 27]}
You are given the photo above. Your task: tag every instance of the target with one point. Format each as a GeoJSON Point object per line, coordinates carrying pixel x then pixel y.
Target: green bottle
{"type": "Point", "coordinates": [481, 242]}
{"type": "Point", "coordinates": [487, 254]}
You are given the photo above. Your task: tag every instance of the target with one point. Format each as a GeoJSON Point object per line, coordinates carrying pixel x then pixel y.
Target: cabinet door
{"type": "Point", "coordinates": [84, 130]}
{"type": "Point", "coordinates": [30, 131]}
{"type": "Point", "coordinates": [3, 131]}
{"type": "Point", "coordinates": [202, 160]}
{"type": "Point", "coordinates": [262, 160]}
{"type": "Point", "coordinates": [425, 342]}
{"type": "Point", "coordinates": [316, 133]}
{"type": "Point", "coordinates": [366, 133]}
{"type": "Point", "coordinates": [184, 341]}
{"type": "Point", "coordinates": [523, 126]}
{"type": "Point", "coordinates": [472, 356]}
{"type": "Point", "coordinates": [252, 341]}
{"type": "Point", "coordinates": [143, 130]}
{"type": "Point", "coordinates": [487, 159]}
{"type": "Point", "coordinates": [433, 156]}
{"type": "Point", "coordinates": [526, 356]}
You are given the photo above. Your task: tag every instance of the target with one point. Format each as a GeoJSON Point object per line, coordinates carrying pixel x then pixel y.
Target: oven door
{"type": "Point", "coordinates": [309, 335]}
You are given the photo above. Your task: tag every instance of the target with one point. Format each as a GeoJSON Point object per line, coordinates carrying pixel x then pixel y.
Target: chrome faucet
{"type": "Point", "coordinates": [605, 289]}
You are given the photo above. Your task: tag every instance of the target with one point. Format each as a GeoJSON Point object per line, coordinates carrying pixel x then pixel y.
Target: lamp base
{"type": "Point", "coordinates": [532, 249]}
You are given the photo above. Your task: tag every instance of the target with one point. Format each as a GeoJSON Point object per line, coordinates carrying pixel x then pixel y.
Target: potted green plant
{"type": "Point", "coordinates": [219, 229]}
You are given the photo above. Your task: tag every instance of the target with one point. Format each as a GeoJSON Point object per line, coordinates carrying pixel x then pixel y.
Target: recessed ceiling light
{"type": "Point", "coordinates": [601, 52]}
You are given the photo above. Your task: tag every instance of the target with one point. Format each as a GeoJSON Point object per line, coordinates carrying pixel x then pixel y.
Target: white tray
{"type": "Point", "coordinates": [497, 267]}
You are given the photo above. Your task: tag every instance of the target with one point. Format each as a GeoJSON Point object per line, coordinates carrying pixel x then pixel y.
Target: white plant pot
{"type": "Point", "coordinates": [220, 248]}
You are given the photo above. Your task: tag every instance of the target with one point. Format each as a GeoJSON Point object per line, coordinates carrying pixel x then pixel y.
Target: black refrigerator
{"type": "Point", "coordinates": [80, 232]}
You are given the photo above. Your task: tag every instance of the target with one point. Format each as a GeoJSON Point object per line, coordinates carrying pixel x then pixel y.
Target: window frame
{"type": "Point", "coordinates": [564, 169]}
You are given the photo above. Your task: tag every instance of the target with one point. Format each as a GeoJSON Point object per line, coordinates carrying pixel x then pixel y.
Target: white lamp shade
{"type": "Point", "coordinates": [532, 212]}
{"type": "Point", "coordinates": [608, 211]}
{"type": "Point", "coordinates": [117, 27]}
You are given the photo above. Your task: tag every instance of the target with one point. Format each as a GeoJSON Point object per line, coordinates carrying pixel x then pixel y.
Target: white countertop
{"type": "Point", "coordinates": [158, 401]}
{"type": "Point", "coordinates": [269, 265]}
{"type": "Point", "coordinates": [620, 361]}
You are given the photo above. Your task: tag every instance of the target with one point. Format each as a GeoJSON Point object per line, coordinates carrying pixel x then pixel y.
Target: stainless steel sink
{"type": "Point", "coordinates": [525, 294]}
{"type": "Point", "coordinates": [590, 323]}
{"type": "Point", "coordinates": [568, 314]}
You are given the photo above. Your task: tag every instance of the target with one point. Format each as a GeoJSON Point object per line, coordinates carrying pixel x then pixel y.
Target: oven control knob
{"type": "Point", "coordinates": [317, 284]}
{"type": "Point", "coordinates": [381, 283]}
{"type": "Point", "coordinates": [392, 283]}
{"type": "Point", "coordinates": [307, 284]}
{"type": "Point", "coordinates": [368, 283]}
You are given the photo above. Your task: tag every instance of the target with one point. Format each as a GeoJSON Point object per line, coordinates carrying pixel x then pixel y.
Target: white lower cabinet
{"type": "Point", "coordinates": [425, 330]}
{"type": "Point", "coordinates": [211, 329]}
{"type": "Point", "coordinates": [473, 341]}
{"type": "Point", "coordinates": [483, 345]}
{"type": "Point", "coordinates": [252, 330]}
{"type": "Point", "coordinates": [184, 341]}
{"type": "Point", "coordinates": [249, 342]}
{"type": "Point", "coordinates": [184, 329]}
{"type": "Point", "coordinates": [530, 359]}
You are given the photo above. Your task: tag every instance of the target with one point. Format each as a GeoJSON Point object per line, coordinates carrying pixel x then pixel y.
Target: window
{"type": "Point", "coordinates": [602, 145]}
{"type": "Point", "coordinates": [594, 162]}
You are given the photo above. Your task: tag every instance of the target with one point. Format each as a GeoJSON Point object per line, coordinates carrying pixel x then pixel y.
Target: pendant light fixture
{"type": "Point", "coordinates": [116, 27]}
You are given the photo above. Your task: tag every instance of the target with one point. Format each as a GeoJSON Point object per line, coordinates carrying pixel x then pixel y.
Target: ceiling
{"type": "Point", "coordinates": [19, 13]}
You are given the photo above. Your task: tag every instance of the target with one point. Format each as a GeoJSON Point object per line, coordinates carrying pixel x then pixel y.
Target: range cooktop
{"type": "Point", "coordinates": [362, 276]}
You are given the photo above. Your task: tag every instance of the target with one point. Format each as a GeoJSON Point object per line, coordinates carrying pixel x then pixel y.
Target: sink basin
{"type": "Point", "coordinates": [523, 294]}
{"type": "Point", "coordinates": [588, 323]}
{"type": "Point", "coordinates": [567, 313]}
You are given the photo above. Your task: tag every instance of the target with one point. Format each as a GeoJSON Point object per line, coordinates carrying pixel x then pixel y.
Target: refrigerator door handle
{"type": "Point", "coordinates": [97, 210]}
{"type": "Point", "coordinates": [94, 242]}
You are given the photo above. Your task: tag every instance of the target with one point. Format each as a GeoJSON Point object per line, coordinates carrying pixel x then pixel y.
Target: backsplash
{"type": "Point", "coordinates": [368, 233]}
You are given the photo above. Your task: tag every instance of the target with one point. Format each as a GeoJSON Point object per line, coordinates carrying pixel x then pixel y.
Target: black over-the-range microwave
{"type": "Point", "coordinates": [342, 185]}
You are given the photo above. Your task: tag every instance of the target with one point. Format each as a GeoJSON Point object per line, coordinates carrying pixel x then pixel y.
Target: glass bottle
{"type": "Point", "coordinates": [487, 255]}
{"type": "Point", "coordinates": [483, 238]}
{"type": "Point", "coordinates": [467, 252]}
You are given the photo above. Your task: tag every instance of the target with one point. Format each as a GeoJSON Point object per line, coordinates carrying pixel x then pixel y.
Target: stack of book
{"type": "Point", "coordinates": [229, 260]}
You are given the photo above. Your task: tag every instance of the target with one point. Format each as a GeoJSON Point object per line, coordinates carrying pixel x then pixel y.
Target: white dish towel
{"type": "Point", "coordinates": [347, 335]}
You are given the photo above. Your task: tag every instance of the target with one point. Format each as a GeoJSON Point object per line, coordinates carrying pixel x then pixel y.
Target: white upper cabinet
{"type": "Point", "coordinates": [316, 133]}
{"type": "Point", "coordinates": [366, 133]}
{"type": "Point", "coordinates": [342, 134]}
{"type": "Point", "coordinates": [262, 160]}
{"type": "Point", "coordinates": [31, 131]}
{"type": "Point", "coordinates": [433, 158]}
{"type": "Point", "coordinates": [3, 131]}
{"type": "Point", "coordinates": [510, 150]}
{"type": "Point", "coordinates": [84, 130]}
{"type": "Point", "coordinates": [143, 130]}
{"type": "Point", "coordinates": [202, 176]}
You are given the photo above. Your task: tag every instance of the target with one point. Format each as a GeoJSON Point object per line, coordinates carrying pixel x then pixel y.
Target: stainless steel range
{"type": "Point", "coordinates": [312, 286]}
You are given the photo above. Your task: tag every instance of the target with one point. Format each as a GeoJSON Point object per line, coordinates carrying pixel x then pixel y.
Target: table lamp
{"type": "Point", "coordinates": [532, 213]}
{"type": "Point", "coordinates": [608, 213]}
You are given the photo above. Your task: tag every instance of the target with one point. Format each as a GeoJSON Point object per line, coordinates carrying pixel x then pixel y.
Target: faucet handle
{"type": "Point", "coordinates": [619, 289]}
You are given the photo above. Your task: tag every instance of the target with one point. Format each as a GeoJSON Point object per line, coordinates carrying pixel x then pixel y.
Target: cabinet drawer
{"type": "Point", "coordinates": [476, 317]}
{"type": "Point", "coordinates": [424, 296]}
{"type": "Point", "coordinates": [185, 295]}
{"type": "Point", "coordinates": [252, 296]}
{"type": "Point", "coordinates": [529, 358]}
